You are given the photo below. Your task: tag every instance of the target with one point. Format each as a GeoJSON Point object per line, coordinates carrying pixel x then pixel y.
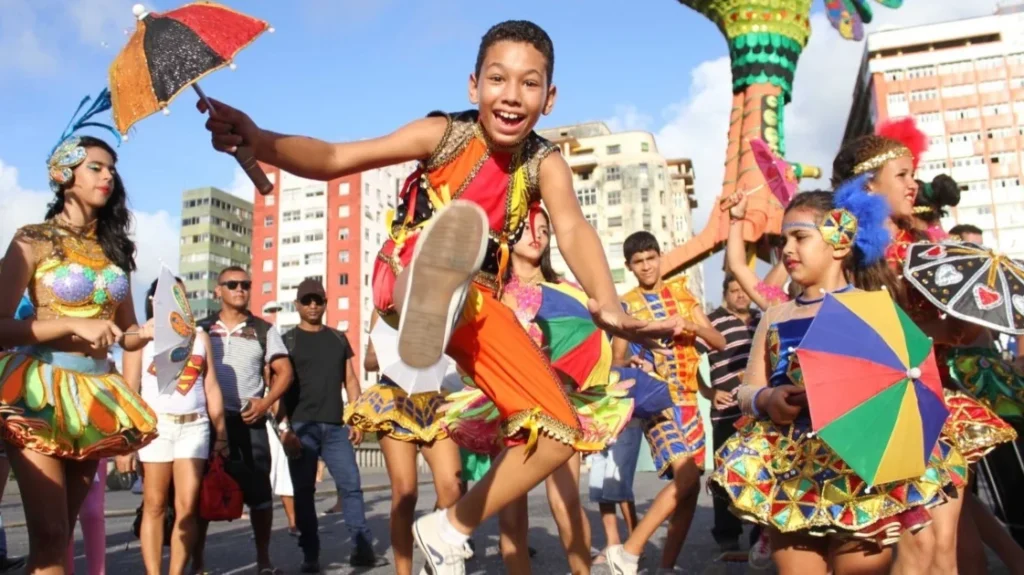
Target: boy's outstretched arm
{"type": "Point", "coordinates": [579, 243]}
{"type": "Point", "coordinates": [316, 159]}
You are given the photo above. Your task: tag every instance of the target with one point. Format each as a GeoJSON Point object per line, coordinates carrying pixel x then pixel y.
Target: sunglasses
{"type": "Point", "coordinates": [235, 284]}
{"type": "Point", "coordinates": [312, 299]}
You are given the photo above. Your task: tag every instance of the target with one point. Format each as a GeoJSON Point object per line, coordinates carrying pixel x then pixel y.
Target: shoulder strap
{"type": "Point", "coordinates": [289, 339]}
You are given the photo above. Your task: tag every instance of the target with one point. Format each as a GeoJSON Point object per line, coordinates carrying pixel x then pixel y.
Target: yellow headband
{"type": "Point", "coordinates": [879, 160]}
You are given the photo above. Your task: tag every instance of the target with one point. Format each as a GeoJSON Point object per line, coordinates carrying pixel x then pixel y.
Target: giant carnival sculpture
{"type": "Point", "coordinates": [765, 39]}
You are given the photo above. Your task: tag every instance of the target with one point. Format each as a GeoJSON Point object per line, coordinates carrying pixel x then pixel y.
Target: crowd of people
{"type": "Point", "coordinates": [466, 272]}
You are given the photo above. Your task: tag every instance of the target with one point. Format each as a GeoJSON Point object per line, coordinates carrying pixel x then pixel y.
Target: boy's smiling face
{"type": "Point", "coordinates": [512, 91]}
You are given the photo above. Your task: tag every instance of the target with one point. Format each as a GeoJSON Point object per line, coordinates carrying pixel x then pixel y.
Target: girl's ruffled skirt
{"type": "Point", "coordinates": [388, 409]}
{"type": "Point", "coordinates": [786, 479]}
{"type": "Point", "coordinates": [70, 406]}
{"type": "Point", "coordinates": [973, 428]}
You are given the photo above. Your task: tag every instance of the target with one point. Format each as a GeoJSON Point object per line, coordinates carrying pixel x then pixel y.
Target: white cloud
{"type": "Point", "coordinates": [629, 118]}
{"type": "Point", "coordinates": [156, 234]}
{"type": "Point", "coordinates": [241, 186]}
{"type": "Point", "coordinates": [697, 126]}
{"type": "Point", "coordinates": [103, 21]}
{"type": "Point", "coordinates": [21, 47]}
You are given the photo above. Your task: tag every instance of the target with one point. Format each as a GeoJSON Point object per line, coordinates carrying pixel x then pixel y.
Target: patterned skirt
{"type": "Point", "coordinates": [987, 377]}
{"type": "Point", "coordinates": [386, 408]}
{"type": "Point", "coordinates": [70, 406]}
{"type": "Point", "coordinates": [973, 428]}
{"type": "Point", "coordinates": [790, 480]}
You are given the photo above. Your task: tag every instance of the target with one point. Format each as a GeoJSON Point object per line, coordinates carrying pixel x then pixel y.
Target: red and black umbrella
{"type": "Point", "coordinates": [170, 52]}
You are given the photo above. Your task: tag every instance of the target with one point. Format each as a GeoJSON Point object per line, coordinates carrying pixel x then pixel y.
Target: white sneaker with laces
{"type": "Point", "coordinates": [449, 253]}
{"type": "Point", "coordinates": [761, 553]}
{"type": "Point", "coordinates": [617, 563]}
{"type": "Point", "coordinates": [442, 558]}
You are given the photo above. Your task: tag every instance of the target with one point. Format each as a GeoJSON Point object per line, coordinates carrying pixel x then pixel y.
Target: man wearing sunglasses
{"type": "Point", "coordinates": [243, 345]}
{"type": "Point", "coordinates": [313, 428]}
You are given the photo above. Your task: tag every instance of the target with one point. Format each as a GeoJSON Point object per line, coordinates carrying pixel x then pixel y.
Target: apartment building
{"type": "Point", "coordinates": [216, 232]}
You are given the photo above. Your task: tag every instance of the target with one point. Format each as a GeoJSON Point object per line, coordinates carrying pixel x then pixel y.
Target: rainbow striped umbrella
{"type": "Point", "coordinates": [873, 386]}
{"type": "Point", "coordinates": [577, 348]}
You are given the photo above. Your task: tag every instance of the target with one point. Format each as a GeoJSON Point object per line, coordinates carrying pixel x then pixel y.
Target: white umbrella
{"type": "Point", "coordinates": [174, 331]}
{"type": "Point", "coordinates": [412, 380]}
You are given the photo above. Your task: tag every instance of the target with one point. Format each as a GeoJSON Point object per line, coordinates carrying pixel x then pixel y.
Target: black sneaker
{"type": "Point", "coordinates": [9, 564]}
{"type": "Point", "coordinates": [363, 555]}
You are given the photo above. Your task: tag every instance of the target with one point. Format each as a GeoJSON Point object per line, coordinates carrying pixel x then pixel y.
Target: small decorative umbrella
{"type": "Point", "coordinates": [170, 52]}
{"type": "Point", "coordinates": [873, 386]}
{"type": "Point", "coordinates": [969, 282]}
{"type": "Point", "coordinates": [576, 347]}
{"type": "Point", "coordinates": [174, 331]}
{"type": "Point", "coordinates": [411, 379]}
{"type": "Point", "coordinates": [776, 171]}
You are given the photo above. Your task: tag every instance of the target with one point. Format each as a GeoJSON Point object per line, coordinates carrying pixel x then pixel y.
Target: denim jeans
{"type": "Point", "coordinates": [329, 442]}
{"type": "Point", "coordinates": [3, 539]}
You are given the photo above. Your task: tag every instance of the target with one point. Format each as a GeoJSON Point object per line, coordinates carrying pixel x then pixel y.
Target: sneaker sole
{"type": "Point", "coordinates": [441, 267]}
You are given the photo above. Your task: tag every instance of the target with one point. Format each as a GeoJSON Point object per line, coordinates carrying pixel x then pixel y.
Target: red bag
{"type": "Point", "coordinates": [220, 497]}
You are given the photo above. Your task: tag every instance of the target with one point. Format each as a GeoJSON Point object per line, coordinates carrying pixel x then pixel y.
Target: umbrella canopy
{"type": "Point", "coordinates": [873, 386]}
{"type": "Point", "coordinates": [776, 172]}
{"type": "Point", "coordinates": [174, 331]}
{"type": "Point", "coordinates": [410, 379]}
{"type": "Point", "coordinates": [170, 51]}
{"type": "Point", "coordinates": [969, 282]}
{"type": "Point", "coordinates": [576, 347]}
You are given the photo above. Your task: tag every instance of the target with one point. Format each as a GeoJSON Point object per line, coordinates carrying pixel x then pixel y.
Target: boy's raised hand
{"type": "Point", "coordinates": [229, 128]}
{"type": "Point", "coordinates": [614, 320]}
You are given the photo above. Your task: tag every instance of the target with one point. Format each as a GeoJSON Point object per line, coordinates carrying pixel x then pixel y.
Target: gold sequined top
{"type": "Point", "coordinates": [73, 277]}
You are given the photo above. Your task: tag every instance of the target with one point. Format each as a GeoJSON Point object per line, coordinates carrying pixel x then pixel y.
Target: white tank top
{"type": "Point", "coordinates": [188, 396]}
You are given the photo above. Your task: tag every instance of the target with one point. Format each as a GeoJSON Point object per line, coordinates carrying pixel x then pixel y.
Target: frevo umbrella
{"type": "Point", "coordinates": [873, 386]}
{"type": "Point", "coordinates": [170, 52]}
{"type": "Point", "coordinates": [174, 333]}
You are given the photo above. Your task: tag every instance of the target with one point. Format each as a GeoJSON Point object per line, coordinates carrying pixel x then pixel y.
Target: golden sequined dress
{"type": "Point", "coordinates": [63, 404]}
{"type": "Point", "coordinates": [972, 426]}
{"type": "Point", "coordinates": [785, 477]}
{"type": "Point", "coordinates": [388, 410]}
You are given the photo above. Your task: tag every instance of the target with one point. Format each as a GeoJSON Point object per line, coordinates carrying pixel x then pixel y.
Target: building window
{"type": "Point", "coordinates": [343, 279]}
{"type": "Point", "coordinates": [612, 150]}
{"type": "Point", "coordinates": [922, 95]}
{"type": "Point", "coordinates": [343, 189]}
{"type": "Point", "coordinates": [614, 197]}
{"type": "Point", "coordinates": [317, 236]}
{"type": "Point", "coordinates": [342, 233]}
{"type": "Point", "coordinates": [893, 75]}
{"type": "Point", "coordinates": [267, 287]}
{"type": "Point", "coordinates": [618, 275]}
{"type": "Point", "coordinates": [921, 72]}
{"type": "Point", "coordinates": [587, 196]}
{"type": "Point", "coordinates": [645, 147]}
{"type": "Point", "coordinates": [268, 221]}
{"type": "Point", "coordinates": [268, 265]}
{"type": "Point", "coordinates": [897, 98]}
{"type": "Point", "coordinates": [343, 256]}
{"type": "Point", "coordinates": [314, 214]}
{"type": "Point", "coordinates": [343, 325]}
{"type": "Point", "coordinates": [612, 173]}
{"type": "Point", "coordinates": [615, 222]}
{"type": "Point", "coordinates": [291, 216]}
{"type": "Point", "coordinates": [343, 303]}
{"type": "Point", "coordinates": [316, 193]}
{"type": "Point", "coordinates": [344, 211]}
{"type": "Point", "coordinates": [268, 200]}
{"type": "Point", "coordinates": [591, 219]}
{"type": "Point", "coordinates": [268, 243]}
{"type": "Point", "coordinates": [644, 193]}
{"type": "Point", "coordinates": [314, 258]}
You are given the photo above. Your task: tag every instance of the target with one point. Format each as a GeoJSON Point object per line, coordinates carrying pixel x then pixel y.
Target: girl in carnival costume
{"type": "Point", "coordinates": [829, 239]}
{"type": "Point", "coordinates": [62, 406]}
{"type": "Point", "coordinates": [474, 421]}
{"type": "Point", "coordinates": [889, 159]}
{"type": "Point", "coordinates": [406, 424]}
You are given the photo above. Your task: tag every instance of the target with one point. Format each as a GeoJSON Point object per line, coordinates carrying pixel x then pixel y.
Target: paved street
{"type": "Point", "coordinates": [230, 549]}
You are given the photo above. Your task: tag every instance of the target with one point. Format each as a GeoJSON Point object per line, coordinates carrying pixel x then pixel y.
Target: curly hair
{"type": "Point", "coordinates": [934, 197]}
{"type": "Point", "coordinates": [114, 219]}
{"type": "Point", "coordinates": [522, 31]}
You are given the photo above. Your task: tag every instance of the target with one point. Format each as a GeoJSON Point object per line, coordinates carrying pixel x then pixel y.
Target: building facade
{"type": "Point", "coordinates": [216, 232]}
{"type": "Point", "coordinates": [963, 82]}
{"type": "Point", "coordinates": [330, 231]}
{"type": "Point", "coordinates": [625, 185]}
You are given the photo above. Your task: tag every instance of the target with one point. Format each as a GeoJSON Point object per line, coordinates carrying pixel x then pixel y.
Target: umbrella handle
{"type": "Point", "coordinates": [243, 154]}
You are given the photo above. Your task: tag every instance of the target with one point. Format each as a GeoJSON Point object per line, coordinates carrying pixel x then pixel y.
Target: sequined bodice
{"type": "Point", "coordinates": [73, 277]}
{"type": "Point", "coordinates": [783, 338]}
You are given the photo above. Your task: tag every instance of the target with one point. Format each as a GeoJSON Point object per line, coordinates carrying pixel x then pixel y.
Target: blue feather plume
{"type": "Point", "coordinates": [99, 105]}
{"type": "Point", "coordinates": [872, 212]}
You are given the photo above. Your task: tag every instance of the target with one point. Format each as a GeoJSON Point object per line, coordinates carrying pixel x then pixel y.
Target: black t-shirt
{"type": "Point", "coordinates": [320, 360]}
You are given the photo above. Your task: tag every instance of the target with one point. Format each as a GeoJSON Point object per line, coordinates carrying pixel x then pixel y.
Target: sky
{"type": "Point", "coordinates": [351, 69]}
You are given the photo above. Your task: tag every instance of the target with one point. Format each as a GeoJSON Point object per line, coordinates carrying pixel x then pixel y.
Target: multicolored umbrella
{"type": "Point", "coordinates": [776, 171]}
{"type": "Point", "coordinates": [170, 52]}
{"type": "Point", "coordinates": [969, 282]}
{"type": "Point", "coordinates": [576, 347]}
{"type": "Point", "coordinates": [873, 386]}
{"type": "Point", "coordinates": [174, 332]}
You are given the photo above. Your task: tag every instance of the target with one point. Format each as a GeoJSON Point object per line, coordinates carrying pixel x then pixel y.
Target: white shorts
{"type": "Point", "coordinates": [280, 476]}
{"type": "Point", "coordinates": [178, 441]}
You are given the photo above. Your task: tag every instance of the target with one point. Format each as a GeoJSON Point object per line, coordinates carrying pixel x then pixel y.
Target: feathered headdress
{"type": "Point", "coordinates": [895, 139]}
{"type": "Point", "coordinates": [858, 217]}
{"type": "Point", "coordinates": [68, 154]}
